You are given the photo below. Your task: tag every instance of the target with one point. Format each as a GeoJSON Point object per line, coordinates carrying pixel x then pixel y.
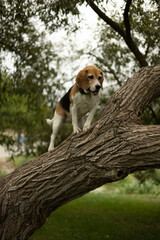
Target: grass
{"type": "Point", "coordinates": [104, 216]}
{"type": "Point", "coordinates": [20, 160]}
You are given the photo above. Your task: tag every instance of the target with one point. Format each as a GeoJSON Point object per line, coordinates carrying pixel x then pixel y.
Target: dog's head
{"type": "Point", "coordinates": [90, 79]}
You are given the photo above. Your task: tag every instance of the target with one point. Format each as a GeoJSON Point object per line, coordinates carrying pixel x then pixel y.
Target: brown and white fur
{"type": "Point", "coordinates": [82, 98]}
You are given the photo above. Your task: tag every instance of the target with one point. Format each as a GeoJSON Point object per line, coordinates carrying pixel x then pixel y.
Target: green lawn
{"type": "Point", "coordinates": [104, 216]}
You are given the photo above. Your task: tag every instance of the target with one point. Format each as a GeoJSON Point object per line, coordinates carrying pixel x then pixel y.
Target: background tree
{"type": "Point", "coordinates": [27, 87]}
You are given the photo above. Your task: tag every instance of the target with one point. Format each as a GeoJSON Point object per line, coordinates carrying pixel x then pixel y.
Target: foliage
{"type": "Point", "coordinates": [21, 160]}
{"type": "Point", "coordinates": [152, 174]}
{"type": "Point", "coordinates": [146, 37]}
{"type": "Point", "coordinates": [149, 186]}
{"type": "Point", "coordinates": [152, 113]}
{"type": "Point", "coordinates": [133, 184]}
{"type": "Point", "coordinates": [2, 173]}
{"type": "Point", "coordinates": [27, 88]}
{"type": "Point", "coordinates": [97, 215]}
{"type": "Point", "coordinates": [23, 111]}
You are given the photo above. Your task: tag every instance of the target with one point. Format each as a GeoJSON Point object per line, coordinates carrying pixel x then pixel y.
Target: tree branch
{"type": "Point", "coordinates": [145, 151]}
{"type": "Point", "coordinates": [143, 85]}
{"type": "Point", "coordinates": [128, 40]}
{"type": "Point", "coordinates": [126, 18]}
{"type": "Point", "coordinates": [103, 16]}
{"type": "Point", "coordinates": [114, 146]}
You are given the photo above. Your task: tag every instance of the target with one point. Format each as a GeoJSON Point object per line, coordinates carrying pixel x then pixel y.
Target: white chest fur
{"type": "Point", "coordinates": [84, 103]}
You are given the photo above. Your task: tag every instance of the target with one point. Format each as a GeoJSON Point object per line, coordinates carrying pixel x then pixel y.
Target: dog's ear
{"type": "Point", "coordinates": [82, 79]}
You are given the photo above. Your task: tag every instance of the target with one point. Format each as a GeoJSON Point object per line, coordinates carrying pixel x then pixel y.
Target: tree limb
{"type": "Point", "coordinates": [114, 146]}
{"type": "Point", "coordinates": [145, 142]}
{"type": "Point", "coordinates": [126, 18]}
{"type": "Point", "coordinates": [103, 16]}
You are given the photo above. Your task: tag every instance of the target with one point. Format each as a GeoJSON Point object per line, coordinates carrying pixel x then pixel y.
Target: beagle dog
{"type": "Point", "coordinates": [82, 97]}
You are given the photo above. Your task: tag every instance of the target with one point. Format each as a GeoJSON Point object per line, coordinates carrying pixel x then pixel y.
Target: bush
{"type": "Point", "coordinates": [131, 185]}
{"type": "Point", "coordinates": [152, 174]}
{"type": "Point", "coordinates": [147, 187]}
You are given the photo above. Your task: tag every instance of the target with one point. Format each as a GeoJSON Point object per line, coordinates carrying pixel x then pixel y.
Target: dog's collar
{"type": "Point", "coordinates": [81, 90]}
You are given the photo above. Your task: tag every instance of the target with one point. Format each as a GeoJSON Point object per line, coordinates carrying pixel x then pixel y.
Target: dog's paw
{"type": "Point", "coordinates": [50, 148]}
{"type": "Point", "coordinates": [76, 130]}
{"type": "Point", "coordinates": [49, 121]}
{"type": "Point", "coordinates": [86, 127]}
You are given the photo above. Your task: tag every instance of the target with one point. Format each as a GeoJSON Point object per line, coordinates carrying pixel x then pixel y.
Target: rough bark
{"type": "Point", "coordinates": [115, 145]}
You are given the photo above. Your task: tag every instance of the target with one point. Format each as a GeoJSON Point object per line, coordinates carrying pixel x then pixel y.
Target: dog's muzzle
{"type": "Point", "coordinates": [96, 91]}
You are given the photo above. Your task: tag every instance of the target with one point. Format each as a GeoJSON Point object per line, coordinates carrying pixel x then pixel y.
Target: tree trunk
{"type": "Point", "coordinates": [115, 145]}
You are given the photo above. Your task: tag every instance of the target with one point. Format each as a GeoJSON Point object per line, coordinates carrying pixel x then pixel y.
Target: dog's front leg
{"type": "Point", "coordinates": [89, 118]}
{"type": "Point", "coordinates": [76, 129]}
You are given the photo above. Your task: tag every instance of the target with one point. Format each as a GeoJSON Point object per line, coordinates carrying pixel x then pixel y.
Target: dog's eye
{"type": "Point", "coordinates": [100, 78]}
{"type": "Point", "coordinates": [90, 76]}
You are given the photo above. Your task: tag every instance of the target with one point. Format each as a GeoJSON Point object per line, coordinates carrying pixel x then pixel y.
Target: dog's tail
{"type": "Point", "coordinates": [49, 121]}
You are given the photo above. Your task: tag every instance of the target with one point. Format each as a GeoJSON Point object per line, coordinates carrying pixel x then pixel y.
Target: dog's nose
{"type": "Point", "coordinates": [98, 87]}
